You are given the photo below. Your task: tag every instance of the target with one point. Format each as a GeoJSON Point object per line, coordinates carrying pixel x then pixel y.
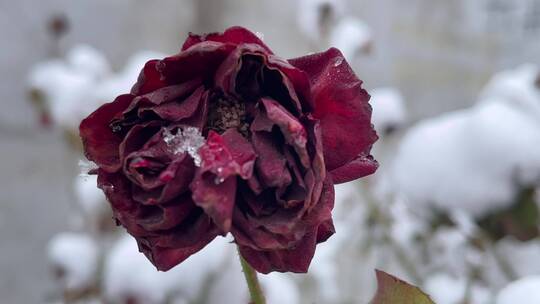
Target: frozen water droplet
{"type": "Point", "coordinates": [218, 180]}
{"type": "Point", "coordinates": [338, 61]}
{"type": "Point", "coordinates": [259, 35]}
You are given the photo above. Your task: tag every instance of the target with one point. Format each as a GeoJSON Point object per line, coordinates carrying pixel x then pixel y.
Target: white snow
{"type": "Point", "coordinates": [525, 290]}
{"type": "Point", "coordinates": [279, 288]}
{"type": "Point", "coordinates": [128, 273]}
{"type": "Point", "coordinates": [522, 255]}
{"type": "Point", "coordinates": [77, 85]}
{"type": "Point", "coordinates": [76, 256]}
{"type": "Point", "coordinates": [91, 199]}
{"type": "Point", "coordinates": [351, 36]}
{"type": "Point", "coordinates": [470, 159]}
{"type": "Point", "coordinates": [186, 139]}
{"type": "Point", "coordinates": [388, 109]}
{"type": "Point", "coordinates": [445, 289]}
{"type": "Point", "coordinates": [87, 60]}
{"type": "Point", "coordinates": [517, 87]}
{"type": "Point", "coordinates": [121, 82]}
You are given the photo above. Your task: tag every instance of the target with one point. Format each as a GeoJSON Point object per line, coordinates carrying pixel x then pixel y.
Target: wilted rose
{"type": "Point", "coordinates": [227, 137]}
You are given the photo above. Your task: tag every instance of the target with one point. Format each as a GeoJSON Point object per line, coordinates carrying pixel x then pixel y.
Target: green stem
{"type": "Point", "coordinates": [255, 291]}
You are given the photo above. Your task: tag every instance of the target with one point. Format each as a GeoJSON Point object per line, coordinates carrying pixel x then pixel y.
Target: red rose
{"type": "Point", "coordinates": [227, 137]}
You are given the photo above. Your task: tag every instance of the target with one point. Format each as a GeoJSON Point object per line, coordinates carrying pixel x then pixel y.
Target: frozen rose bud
{"type": "Point", "coordinates": [227, 137]}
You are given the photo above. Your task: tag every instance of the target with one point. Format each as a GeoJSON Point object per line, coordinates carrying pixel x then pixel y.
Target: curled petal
{"type": "Point", "coordinates": [271, 163]}
{"type": "Point", "coordinates": [214, 188]}
{"type": "Point", "coordinates": [172, 92]}
{"type": "Point", "coordinates": [271, 242]}
{"type": "Point", "coordinates": [165, 216]}
{"type": "Point", "coordinates": [176, 110]}
{"type": "Point", "coordinates": [137, 137]}
{"type": "Point", "coordinates": [296, 259]}
{"type": "Point", "coordinates": [285, 82]}
{"type": "Point", "coordinates": [177, 177]}
{"type": "Point", "coordinates": [227, 154]}
{"type": "Point", "coordinates": [362, 165]}
{"type": "Point", "coordinates": [153, 165]}
{"type": "Point", "coordinates": [149, 79]}
{"type": "Point", "coordinates": [165, 258]}
{"type": "Point", "coordinates": [101, 144]}
{"type": "Point", "coordinates": [293, 131]}
{"type": "Point", "coordinates": [245, 62]}
{"type": "Point", "coordinates": [216, 198]}
{"type": "Point", "coordinates": [325, 231]}
{"type": "Point", "coordinates": [341, 105]}
{"type": "Point", "coordinates": [198, 62]}
{"type": "Point", "coordinates": [233, 35]}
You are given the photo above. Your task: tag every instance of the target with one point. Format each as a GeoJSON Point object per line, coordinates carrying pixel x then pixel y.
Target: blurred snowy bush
{"type": "Point", "coordinates": [74, 86]}
{"type": "Point", "coordinates": [475, 159]}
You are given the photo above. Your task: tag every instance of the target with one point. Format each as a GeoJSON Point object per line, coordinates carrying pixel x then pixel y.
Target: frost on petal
{"type": "Point", "coordinates": [87, 167]}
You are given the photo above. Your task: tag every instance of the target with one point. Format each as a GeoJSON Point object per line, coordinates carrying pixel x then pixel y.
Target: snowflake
{"type": "Point", "coordinates": [186, 140]}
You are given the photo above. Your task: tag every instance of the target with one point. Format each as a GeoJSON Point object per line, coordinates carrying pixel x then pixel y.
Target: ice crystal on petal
{"type": "Point", "coordinates": [185, 140]}
{"type": "Point", "coordinates": [86, 167]}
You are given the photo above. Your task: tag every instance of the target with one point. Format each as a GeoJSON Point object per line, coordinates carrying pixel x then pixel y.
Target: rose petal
{"type": "Point", "coordinates": [165, 216]}
{"type": "Point", "coordinates": [325, 231]}
{"type": "Point", "coordinates": [271, 163]}
{"type": "Point", "coordinates": [165, 258]}
{"type": "Point", "coordinates": [149, 79]}
{"type": "Point", "coordinates": [227, 154]}
{"type": "Point", "coordinates": [342, 106]}
{"type": "Point", "coordinates": [145, 166]}
{"type": "Point", "coordinates": [177, 177]}
{"type": "Point", "coordinates": [170, 93]}
{"type": "Point", "coordinates": [137, 137]}
{"type": "Point", "coordinates": [361, 166]}
{"type": "Point", "coordinates": [101, 145]}
{"type": "Point", "coordinates": [216, 197]}
{"type": "Point", "coordinates": [286, 83]}
{"type": "Point", "coordinates": [214, 188]}
{"type": "Point", "coordinates": [176, 110]}
{"type": "Point", "coordinates": [234, 35]}
{"type": "Point", "coordinates": [243, 64]}
{"type": "Point", "coordinates": [198, 62]}
{"type": "Point", "coordinates": [293, 131]}
{"type": "Point", "coordinates": [296, 259]}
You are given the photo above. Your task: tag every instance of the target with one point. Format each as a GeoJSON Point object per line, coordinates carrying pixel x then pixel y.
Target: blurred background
{"type": "Point", "coordinates": [455, 89]}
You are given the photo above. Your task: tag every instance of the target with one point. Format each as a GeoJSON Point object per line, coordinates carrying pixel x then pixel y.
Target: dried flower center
{"type": "Point", "coordinates": [226, 113]}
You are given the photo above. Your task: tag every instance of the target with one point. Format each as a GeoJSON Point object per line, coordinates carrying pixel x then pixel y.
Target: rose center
{"type": "Point", "coordinates": [226, 113]}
